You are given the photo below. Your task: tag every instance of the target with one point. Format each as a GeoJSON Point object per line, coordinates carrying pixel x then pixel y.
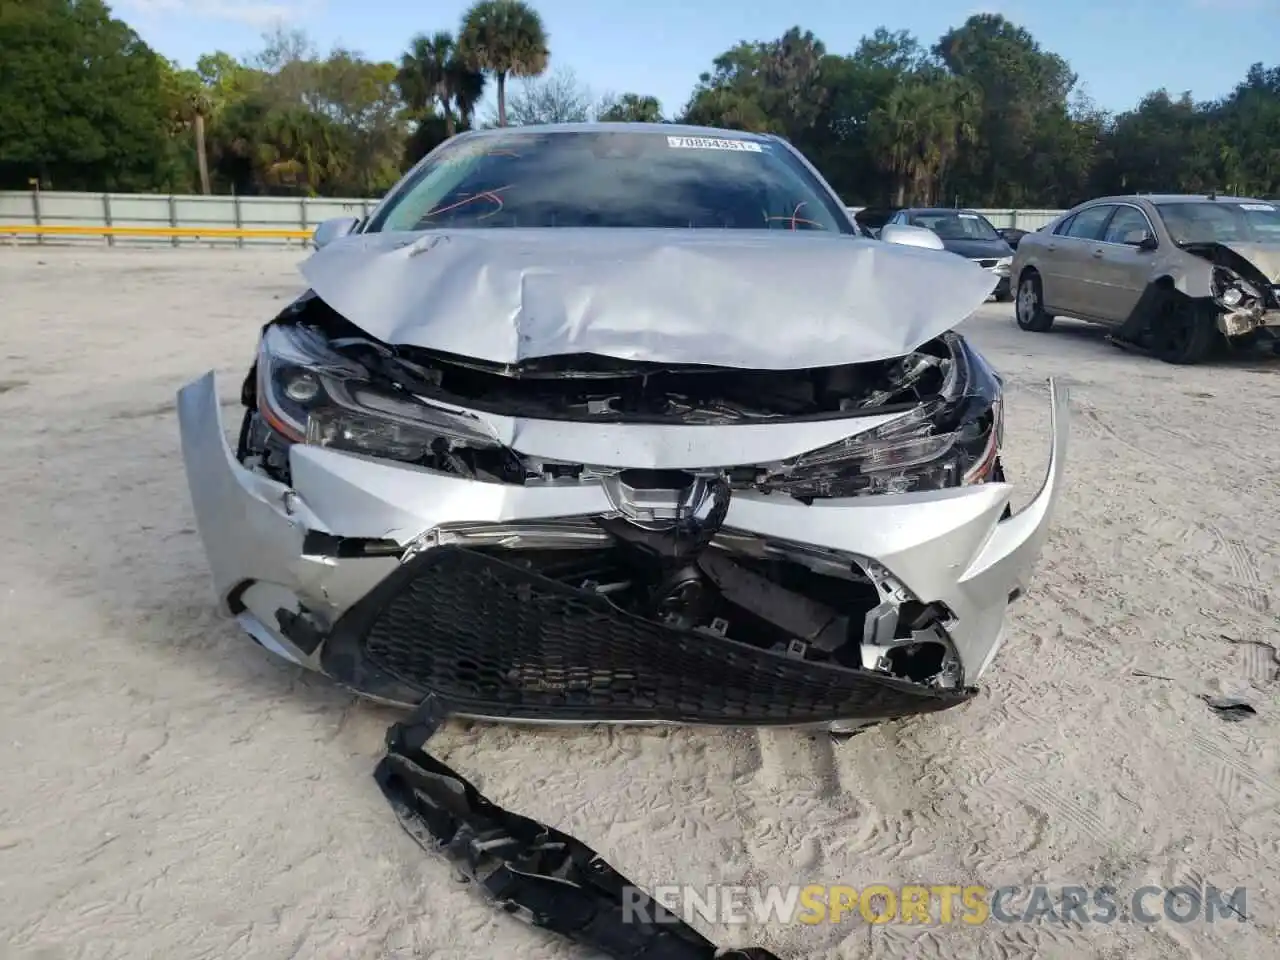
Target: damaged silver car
{"type": "Point", "coordinates": [622, 423]}
{"type": "Point", "coordinates": [1177, 275]}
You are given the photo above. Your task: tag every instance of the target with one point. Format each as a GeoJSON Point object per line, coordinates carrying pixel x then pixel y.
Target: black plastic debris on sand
{"type": "Point", "coordinates": [1231, 709]}
{"type": "Point", "coordinates": [529, 869]}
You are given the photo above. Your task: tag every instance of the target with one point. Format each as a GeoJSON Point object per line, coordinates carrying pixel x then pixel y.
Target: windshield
{"type": "Point", "coordinates": [951, 225]}
{"type": "Point", "coordinates": [612, 179]}
{"type": "Point", "coordinates": [1213, 221]}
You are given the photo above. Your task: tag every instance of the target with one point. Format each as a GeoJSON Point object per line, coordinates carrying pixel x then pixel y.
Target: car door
{"type": "Point", "coordinates": [1065, 268]}
{"type": "Point", "coordinates": [1121, 267]}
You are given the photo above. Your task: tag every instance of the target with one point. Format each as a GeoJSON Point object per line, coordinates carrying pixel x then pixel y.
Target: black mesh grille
{"type": "Point", "coordinates": [493, 638]}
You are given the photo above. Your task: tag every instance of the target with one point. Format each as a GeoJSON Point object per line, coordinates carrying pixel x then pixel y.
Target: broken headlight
{"type": "Point", "coordinates": [1232, 290]}
{"type": "Point", "coordinates": [309, 393]}
{"type": "Point", "coordinates": [948, 441]}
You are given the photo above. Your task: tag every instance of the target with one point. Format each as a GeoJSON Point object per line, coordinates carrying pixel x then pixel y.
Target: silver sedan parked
{"type": "Point", "coordinates": [622, 423]}
{"type": "Point", "coordinates": [1177, 275]}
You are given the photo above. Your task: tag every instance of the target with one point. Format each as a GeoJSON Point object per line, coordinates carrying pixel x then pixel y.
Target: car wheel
{"type": "Point", "coordinates": [1185, 333]}
{"type": "Point", "coordinates": [1029, 308]}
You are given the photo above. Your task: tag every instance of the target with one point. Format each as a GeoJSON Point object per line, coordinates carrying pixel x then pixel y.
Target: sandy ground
{"type": "Point", "coordinates": [169, 790]}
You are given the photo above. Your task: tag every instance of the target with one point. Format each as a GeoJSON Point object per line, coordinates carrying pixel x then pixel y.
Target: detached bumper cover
{"type": "Point", "coordinates": [494, 639]}
{"type": "Point", "coordinates": [529, 869]}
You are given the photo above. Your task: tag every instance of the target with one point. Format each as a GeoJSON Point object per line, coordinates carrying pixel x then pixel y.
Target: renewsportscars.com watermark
{"type": "Point", "coordinates": [936, 904]}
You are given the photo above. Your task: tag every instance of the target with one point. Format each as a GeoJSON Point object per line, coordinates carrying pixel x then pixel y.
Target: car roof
{"type": "Point", "coordinates": [1158, 198]}
{"type": "Point", "coordinates": [671, 129]}
{"type": "Point", "coordinates": [941, 210]}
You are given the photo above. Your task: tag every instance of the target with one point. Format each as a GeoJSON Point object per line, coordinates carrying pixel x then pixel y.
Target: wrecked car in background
{"type": "Point", "coordinates": [1177, 275]}
{"type": "Point", "coordinates": [628, 423]}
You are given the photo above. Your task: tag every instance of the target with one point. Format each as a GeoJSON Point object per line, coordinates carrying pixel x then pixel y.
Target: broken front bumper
{"type": "Point", "coordinates": [437, 607]}
{"type": "Point", "coordinates": [1240, 323]}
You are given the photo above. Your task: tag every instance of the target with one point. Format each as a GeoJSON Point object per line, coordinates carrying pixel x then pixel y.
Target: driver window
{"type": "Point", "coordinates": [1127, 226]}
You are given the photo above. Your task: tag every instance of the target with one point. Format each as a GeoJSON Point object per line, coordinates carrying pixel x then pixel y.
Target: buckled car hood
{"type": "Point", "coordinates": [1264, 256]}
{"type": "Point", "coordinates": [768, 301]}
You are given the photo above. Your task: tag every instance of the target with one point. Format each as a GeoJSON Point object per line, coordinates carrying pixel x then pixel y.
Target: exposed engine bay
{"type": "Point", "coordinates": [1234, 297]}
{"type": "Point", "coordinates": [949, 398]}
{"type": "Point", "coordinates": [663, 553]}
{"type": "Point", "coordinates": [1241, 291]}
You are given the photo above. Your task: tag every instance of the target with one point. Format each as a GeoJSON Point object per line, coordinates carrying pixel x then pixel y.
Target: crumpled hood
{"type": "Point", "coordinates": [726, 298]}
{"type": "Point", "coordinates": [1264, 256]}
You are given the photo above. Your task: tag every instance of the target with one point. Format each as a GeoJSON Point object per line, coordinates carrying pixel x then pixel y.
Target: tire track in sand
{"type": "Point", "coordinates": [1039, 794]}
{"type": "Point", "coordinates": [1246, 582]}
{"type": "Point", "coordinates": [1261, 661]}
{"type": "Point", "coordinates": [787, 804]}
{"type": "Point", "coordinates": [1233, 776]}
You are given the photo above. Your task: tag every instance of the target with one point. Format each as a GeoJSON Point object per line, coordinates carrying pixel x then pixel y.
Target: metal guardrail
{"type": "Point", "coordinates": [56, 217]}
{"type": "Point", "coordinates": [221, 233]}
{"type": "Point", "coordinates": [148, 219]}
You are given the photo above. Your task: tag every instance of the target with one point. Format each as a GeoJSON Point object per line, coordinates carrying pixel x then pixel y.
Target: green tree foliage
{"type": "Point", "coordinates": [1023, 88]}
{"type": "Point", "coordinates": [504, 38]}
{"type": "Point", "coordinates": [292, 122]}
{"type": "Point", "coordinates": [985, 116]}
{"type": "Point", "coordinates": [629, 108]}
{"type": "Point", "coordinates": [434, 76]}
{"type": "Point", "coordinates": [82, 99]}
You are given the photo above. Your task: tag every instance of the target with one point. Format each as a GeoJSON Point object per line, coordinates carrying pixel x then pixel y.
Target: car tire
{"type": "Point", "coordinates": [1028, 308]}
{"type": "Point", "coordinates": [1185, 333]}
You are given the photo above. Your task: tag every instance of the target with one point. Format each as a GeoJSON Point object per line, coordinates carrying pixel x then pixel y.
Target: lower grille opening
{"type": "Point", "coordinates": [683, 597]}
{"type": "Point", "coordinates": [596, 634]}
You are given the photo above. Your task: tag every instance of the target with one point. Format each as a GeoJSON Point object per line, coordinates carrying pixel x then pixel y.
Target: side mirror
{"type": "Point", "coordinates": [1140, 239]}
{"type": "Point", "coordinates": [908, 236]}
{"type": "Point", "coordinates": [335, 229]}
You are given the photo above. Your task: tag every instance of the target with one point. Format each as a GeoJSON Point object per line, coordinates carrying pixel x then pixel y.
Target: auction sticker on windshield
{"type": "Point", "coordinates": [1258, 207]}
{"type": "Point", "coordinates": [712, 143]}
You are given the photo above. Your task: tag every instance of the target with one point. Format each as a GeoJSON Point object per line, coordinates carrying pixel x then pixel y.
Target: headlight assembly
{"type": "Point", "coordinates": [949, 441]}
{"type": "Point", "coordinates": [309, 393]}
{"type": "Point", "coordinates": [1232, 290]}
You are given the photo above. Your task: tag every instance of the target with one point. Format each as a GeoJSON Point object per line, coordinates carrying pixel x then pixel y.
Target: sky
{"type": "Point", "coordinates": [1120, 49]}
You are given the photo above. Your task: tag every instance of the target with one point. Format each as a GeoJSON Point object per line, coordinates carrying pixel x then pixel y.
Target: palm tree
{"type": "Point", "coordinates": [504, 38]}
{"type": "Point", "coordinates": [917, 131]}
{"type": "Point", "coordinates": [190, 105]}
{"type": "Point", "coordinates": [630, 107]}
{"type": "Point", "coordinates": [432, 72]}
{"type": "Point", "coordinates": [468, 87]}
{"type": "Point", "coordinates": [427, 75]}
{"type": "Point", "coordinates": [199, 107]}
